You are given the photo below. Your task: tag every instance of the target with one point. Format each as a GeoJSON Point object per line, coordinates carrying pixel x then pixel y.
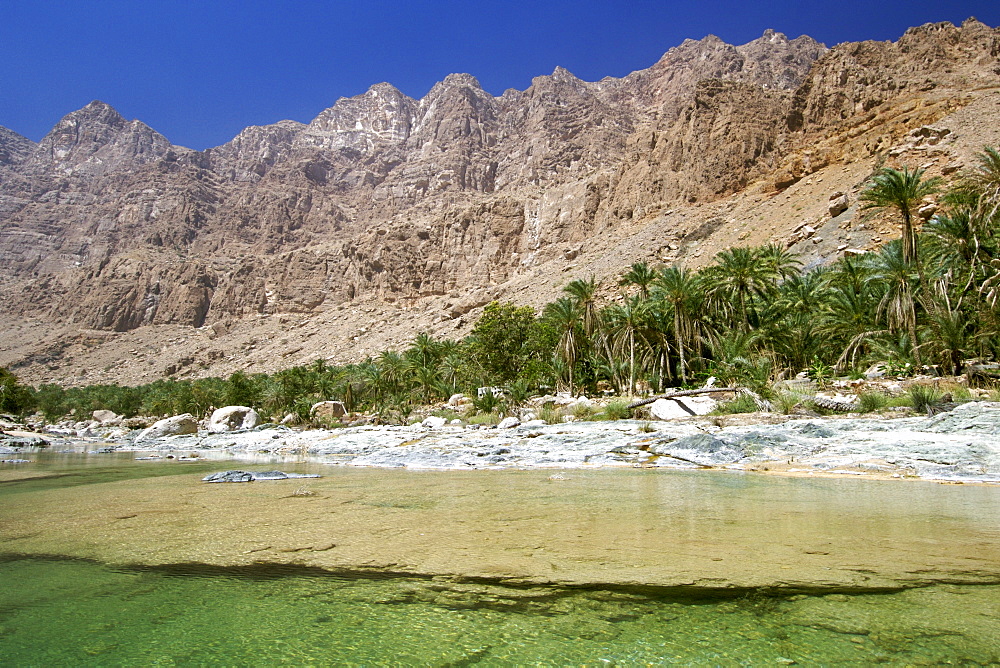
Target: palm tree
{"type": "Point", "coordinates": [900, 190]}
{"type": "Point", "coordinates": [584, 293]}
{"type": "Point", "coordinates": [891, 269]}
{"type": "Point", "coordinates": [738, 278]}
{"type": "Point", "coordinates": [782, 261]}
{"type": "Point", "coordinates": [624, 323]}
{"type": "Point", "coordinates": [424, 348]}
{"type": "Point", "coordinates": [681, 289]}
{"type": "Point", "coordinates": [565, 316]}
{"type": "Point", "coordinates": [392, 366]}
{"type": "Point", "coordinates": [641, 276]}
{"type": "Point", "coordinates": [981, 186]}
{"type": "Point", "coordinates": [794, 328]}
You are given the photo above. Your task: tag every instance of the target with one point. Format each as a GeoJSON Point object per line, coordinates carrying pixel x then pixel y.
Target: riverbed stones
{"type": "Point", "coordinates": [961, 445]}
{"type": "Point", "coordinates": [233, 418]}
{"type": "Point", "coordinates": [702, 449]}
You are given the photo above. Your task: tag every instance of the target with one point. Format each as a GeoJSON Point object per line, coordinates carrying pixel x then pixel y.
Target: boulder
{"type": "Point", "coordinates": [106, 417]}
{"type": "Point", "coordinates": [838, 204]}
{"type": "Point", "coordinates": [668, 409]}
{"type": "Point", "coordinates": [458, 400]}
{"type": "Point", "coordinates": [508, 423]}
{"type": "Point", "coordinates": [233, 418]}
{"type": "Point", "coordinates": [328, 410]}
{"type": "Point", "coordinates": [171, 426]}
{"type": "Point", "coordinates": [433, 422]}
{"type": "Point", "coordinates": [291, 419]}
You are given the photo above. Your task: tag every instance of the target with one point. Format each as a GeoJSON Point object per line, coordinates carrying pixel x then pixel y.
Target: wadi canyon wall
{"type": "Point", "coordinates": [459, 197]}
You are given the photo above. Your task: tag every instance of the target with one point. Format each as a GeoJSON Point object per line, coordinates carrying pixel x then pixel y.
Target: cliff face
{"type": "Point", "coordinates": [108, 226]}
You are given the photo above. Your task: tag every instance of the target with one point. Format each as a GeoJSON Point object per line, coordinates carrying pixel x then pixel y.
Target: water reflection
{"type": "Point", "coordinates": [79, 613]}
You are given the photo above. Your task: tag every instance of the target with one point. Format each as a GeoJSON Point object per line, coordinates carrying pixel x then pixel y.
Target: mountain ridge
{"type": "Point", "coordinates": [439, 204]}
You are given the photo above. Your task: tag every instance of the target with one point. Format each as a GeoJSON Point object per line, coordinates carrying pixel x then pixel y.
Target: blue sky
{"type": "Point", "coordinates": [199, 71]}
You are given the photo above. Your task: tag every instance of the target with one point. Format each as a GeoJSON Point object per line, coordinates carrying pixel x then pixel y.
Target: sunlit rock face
{"type": "Point", "coordinates": [461, 194]}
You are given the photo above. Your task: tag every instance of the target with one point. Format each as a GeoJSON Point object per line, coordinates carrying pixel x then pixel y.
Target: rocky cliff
{"type": "Point", "coordinates": [389, 205]}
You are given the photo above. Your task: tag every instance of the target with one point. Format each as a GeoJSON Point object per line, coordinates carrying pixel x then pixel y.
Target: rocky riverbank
{"type": "Point", "coordinates": [961, 445]}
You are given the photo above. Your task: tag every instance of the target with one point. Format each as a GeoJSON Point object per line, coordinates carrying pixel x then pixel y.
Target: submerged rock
{"type": "Point", "coordinates": [250, 476]}
{"type": "Point", "coordinates": [701, 449]}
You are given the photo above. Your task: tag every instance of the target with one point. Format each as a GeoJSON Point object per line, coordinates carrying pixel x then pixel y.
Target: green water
{"type": "Point", "coordinates": [66, 612]}
{"type": "Point", "coordinates": [62, 613]}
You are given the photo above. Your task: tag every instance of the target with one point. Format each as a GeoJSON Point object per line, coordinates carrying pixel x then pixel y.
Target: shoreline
{"type": "Point", "coordinates": [958, 446]}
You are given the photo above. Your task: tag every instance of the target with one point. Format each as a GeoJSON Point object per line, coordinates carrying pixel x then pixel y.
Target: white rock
{"type": "Point", "coordinates": [328, 410]}
{"type": "Point", "coordinates": [171, 426]}
{"type": "Point", "coordinates": [458, 400]}
{"type": "Point", "coordinates": [233, 418]}
{"type": "Point", "coordinates": [668, 409]}
{"type": "Point", "coordinates": [508, 423]}
{"type": "Point", "coordinates": [106, 417]}
{"type": "Point", "coordinates": [433, 422]}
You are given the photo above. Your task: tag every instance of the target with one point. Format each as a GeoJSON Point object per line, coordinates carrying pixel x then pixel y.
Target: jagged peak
{"type": "Point", "coordinates": [98, 111]}
{"type": "Point", "coordinates": [561, 72]}
{"type": "Point", "coordinates": [385, 89]}
{"type": "Point", "coordinates": [974, 23]}
{"type": "Point", "coordinates": [929, 28]}
{"type": "Point", "coordinates": [460, 79]}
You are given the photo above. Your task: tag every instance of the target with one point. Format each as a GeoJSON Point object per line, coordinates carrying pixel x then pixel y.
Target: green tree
{"type": "Point", "coordinates": [681, 290]}
{"type": "Point", "coordinates": [738, 278]}
{"type": "Point", "coordinates": [898, 304]}
{"type": "Point", "coordinates": [900, 190]}
{"type": "Point", "coordinates": [564, 315]}
{"type": "Point", "coordinates": [641, 276]}
{"type": "Point", "coordinates": [15, 398]}
{"type": "Point", "coordinates": [499, 340]}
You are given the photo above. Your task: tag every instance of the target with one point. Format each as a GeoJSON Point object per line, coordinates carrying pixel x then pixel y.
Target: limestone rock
{"type": "Point", "coordinates": [508, 423]}
{"type": "Point", "coordinates": [172, 426]}
{"type": "Point", "coordinates": [105, 417]}
{"type": "Point", "coordinates": [233, 418]}
{"type": "Point", "coordinates": [838, 204]}
{"type": "Point", "coordinates": [433, 422]}
{"type": "Point", "coordinates": [328, 410]}
{"type": "Point", "coordinates": [668, 409]}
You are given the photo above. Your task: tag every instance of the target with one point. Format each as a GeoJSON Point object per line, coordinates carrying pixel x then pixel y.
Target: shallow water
{"type": "Point", "coordinates": [634, 531]}
{"type": "Point", "coordinates": [79, 613]}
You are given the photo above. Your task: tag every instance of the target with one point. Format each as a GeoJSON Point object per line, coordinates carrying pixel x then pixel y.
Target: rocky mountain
{"type": "Point", "coordinates": [123, 256]}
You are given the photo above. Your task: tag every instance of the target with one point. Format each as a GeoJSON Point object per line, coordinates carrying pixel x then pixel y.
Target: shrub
{"type": "Point", "coordinates": [550, 414]}
{"type": "Point", "coordinates": [787, 401]}
{"type": "Point", "coordinates": [741, 404]}
{"type": "Point", "coordinates": [924, 397]}
{"type": "Point", "coordinates": [14, 397]}
{"type": "Point", "coordinates": [869, 402]}
{"type": "Point", "coordinates": [617, 410]}
{"type": "Point", "coordinates": [487, 403]}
